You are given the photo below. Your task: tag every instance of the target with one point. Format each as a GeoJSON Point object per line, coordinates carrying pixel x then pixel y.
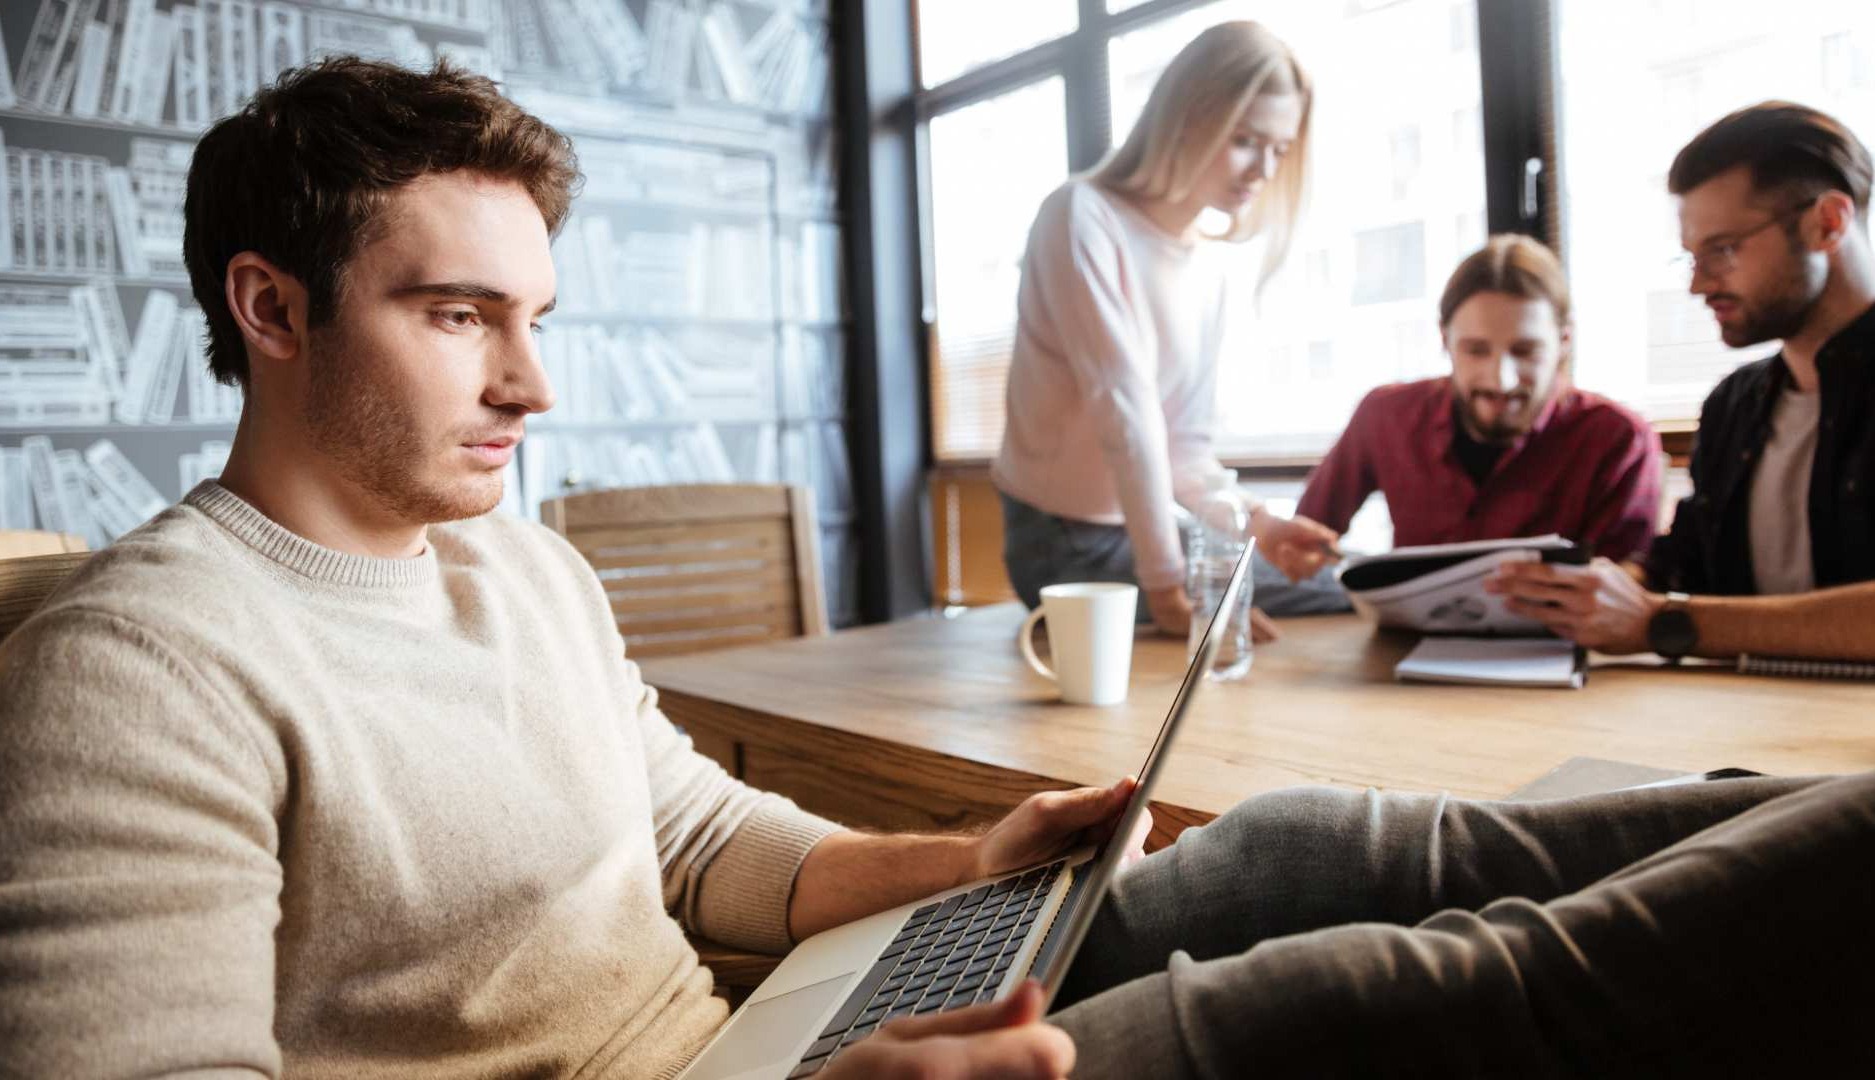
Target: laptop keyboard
{"type": "Point", "coordinates": [947, 955]}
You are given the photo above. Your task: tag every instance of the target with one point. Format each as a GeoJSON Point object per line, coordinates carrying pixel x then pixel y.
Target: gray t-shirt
{"type": "Point", "coordinates": [1780, 498]}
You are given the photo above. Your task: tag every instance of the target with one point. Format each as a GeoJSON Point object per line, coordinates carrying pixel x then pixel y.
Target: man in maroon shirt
{"type": "Point", "coordinates": [1505, 446]}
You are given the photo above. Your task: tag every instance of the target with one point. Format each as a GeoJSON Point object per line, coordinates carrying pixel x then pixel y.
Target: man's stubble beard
{"type": "Point", "coordinates": [1499, 433]}
{"type": "Point", "coordinates": [1784, 312]}
{"type": "Point", "coordinates": [375, 441]}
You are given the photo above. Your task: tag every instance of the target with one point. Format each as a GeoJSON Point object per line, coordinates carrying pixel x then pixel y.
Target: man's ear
{"type": "Point", "coordinates": [268, 304]}
{"type": "Point", "coordinates": [1835, 216]}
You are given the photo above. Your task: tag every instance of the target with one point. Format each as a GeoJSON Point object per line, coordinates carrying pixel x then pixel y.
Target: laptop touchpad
{"type": "Point", "coordinates": [766, 1030]}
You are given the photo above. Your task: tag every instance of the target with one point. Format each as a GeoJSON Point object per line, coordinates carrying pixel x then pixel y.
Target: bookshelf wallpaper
{"type": "Point", "coordinates": [700, 334]}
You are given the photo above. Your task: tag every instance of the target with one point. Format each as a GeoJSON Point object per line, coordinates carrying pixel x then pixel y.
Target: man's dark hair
{"type": "Point", "coordinates": [302, 173]}
{"type": "Point", "coordinates": [1790, 149]}
{"type": "Point", "coordinates": [1508, 263]}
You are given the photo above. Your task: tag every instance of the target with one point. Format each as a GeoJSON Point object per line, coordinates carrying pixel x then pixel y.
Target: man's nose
{"type": "Point", "coordinates": [1507, 380]}
{"type": "Point", "coordinates": [520, 378]}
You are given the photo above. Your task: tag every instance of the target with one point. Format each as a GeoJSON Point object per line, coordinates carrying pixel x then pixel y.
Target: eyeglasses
{"type": "Point", "coordinates": [1719, 259]}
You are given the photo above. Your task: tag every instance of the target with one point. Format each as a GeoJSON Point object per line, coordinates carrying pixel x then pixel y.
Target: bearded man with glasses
{"type": "Point", "coordinates": [1774, 551]}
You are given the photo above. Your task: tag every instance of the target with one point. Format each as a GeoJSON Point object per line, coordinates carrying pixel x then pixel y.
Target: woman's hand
{"type": "Point", "coordinates": [1171, 609]}
{"type": "Point", "coordinates": [1262, 628]}
{"type": "Point", "coordinates": [1297, 546]}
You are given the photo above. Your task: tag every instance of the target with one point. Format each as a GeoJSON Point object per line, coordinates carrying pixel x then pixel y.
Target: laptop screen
{"type": "Point", "coordinates": [1100, 871]}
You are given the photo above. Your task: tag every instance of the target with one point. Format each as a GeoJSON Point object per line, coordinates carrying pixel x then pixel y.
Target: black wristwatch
{"type": "Point", "coordinates": [1671, 632]}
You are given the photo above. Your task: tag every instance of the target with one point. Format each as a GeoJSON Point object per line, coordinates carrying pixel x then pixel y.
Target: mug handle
{"type": "Point", "coordinates": [1027, 639]}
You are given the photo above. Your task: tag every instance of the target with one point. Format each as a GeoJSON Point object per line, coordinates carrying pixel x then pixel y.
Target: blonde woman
{"type": "Point", "coordinates": [1119, 328]}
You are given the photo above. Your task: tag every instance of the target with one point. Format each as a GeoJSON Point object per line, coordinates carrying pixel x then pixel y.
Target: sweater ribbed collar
{"type": "Point", "coordinates": [296, 553]}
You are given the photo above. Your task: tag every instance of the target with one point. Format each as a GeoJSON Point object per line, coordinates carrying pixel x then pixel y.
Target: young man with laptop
{"type": "Point", "coordinates": [328, 772]}
{"type": "Point", "coordinates": [1774, 551]}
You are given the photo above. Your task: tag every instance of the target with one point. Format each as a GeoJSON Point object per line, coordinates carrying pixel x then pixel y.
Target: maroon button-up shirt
{"type": "Point", "coordinates": [1587, 469]}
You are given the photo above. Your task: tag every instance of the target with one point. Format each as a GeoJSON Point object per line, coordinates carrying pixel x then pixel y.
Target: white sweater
{"type": "Point", "coordinates": [267, 808]}
{"type": "Point", "coordinates": [1111, 385]}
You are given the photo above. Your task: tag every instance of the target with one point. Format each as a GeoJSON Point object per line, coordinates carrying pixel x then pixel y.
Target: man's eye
{"type": "Point", "coordinates": [459, 318]}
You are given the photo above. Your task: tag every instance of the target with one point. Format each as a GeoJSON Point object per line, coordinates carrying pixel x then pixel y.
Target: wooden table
{"type": "Point", "coordinates": [937, 723]}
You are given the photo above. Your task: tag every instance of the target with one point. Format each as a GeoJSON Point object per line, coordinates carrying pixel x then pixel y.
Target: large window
{"type": "Point", "coordinates": [979, 216]}
{"type": "Point", "coordinates": [1637, 81]}
{"type": "Point", "coordinates": [955, 36]}
{"type": "Point", "coordinates": [1398, 197]}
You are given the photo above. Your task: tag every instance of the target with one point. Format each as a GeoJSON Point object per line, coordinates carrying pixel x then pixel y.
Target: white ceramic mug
{"type": "Point", "coordinates": [1090, 633]}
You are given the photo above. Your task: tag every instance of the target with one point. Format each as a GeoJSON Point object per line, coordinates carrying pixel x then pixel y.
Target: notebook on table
{"type": "Point", "coordinates": [1535, 662]}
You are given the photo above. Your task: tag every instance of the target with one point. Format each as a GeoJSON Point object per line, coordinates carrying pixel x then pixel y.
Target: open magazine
{"type": "Point", "coordinates": [1439, 588]}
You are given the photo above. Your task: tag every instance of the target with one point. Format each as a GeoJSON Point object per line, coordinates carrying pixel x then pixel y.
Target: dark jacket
{"type": "Point", "coordinates": [1709, 547]}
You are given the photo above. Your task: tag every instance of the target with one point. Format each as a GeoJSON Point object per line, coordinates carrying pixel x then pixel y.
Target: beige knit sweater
{"type": "Point", "coordinates": [268, 808]}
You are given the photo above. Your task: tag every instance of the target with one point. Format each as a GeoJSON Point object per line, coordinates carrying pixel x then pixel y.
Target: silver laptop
{"type": "Point", "coordinates": [973, 943]}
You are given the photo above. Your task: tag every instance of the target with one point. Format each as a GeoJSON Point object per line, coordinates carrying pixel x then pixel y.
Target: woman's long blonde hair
{"type": "Point", "coordinates": [1194, 107]}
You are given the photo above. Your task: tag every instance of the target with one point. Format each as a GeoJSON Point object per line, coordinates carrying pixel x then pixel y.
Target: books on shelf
{"type": "Point", "coordinates": [43, 475]}
{"type": "Point", "coordinates": [8, 99]}
{"type": "Point", "coordinates": [597, 43]}
{"type": "Point", "coordinates": [55, 213]}
{"type": "Point", "coordinates": [134, 62]}
{"type": "Point", "coordinates": [811, 281]}
{"type": "Point", "coordinates": [72, 475]}
{"type": "Point", "coordinates": [282, 38]}
{"type": "Point", "coordinates": [96, 493]}
{"type": "Point", "coordinates": [16, 490]}
{"type": "Point", "coordinates": [556, 465]}
{"type": "Point", "coordinates": [672, 29]}
{"type": "Point", "coordinates": [56, 28]}
{"type": "Point", "coordinates": [93, 59]}
{"type": "Point", "coordinates": [54, 369]}
{"type": "Point", "coordinates": [201, 464]}
{"type": "Point", "coordinates": [704, 271]}
{"type": "Point", "coordinates": [728, 57]}
{"type": "Point", "coordinates": [158, 176]}
{"type": "Point", "coordinates": [642, 374]}
{"type": "Point", "coordinates": [617, 36]}
{"type": "Point", "coordinates": [813, 376]}
{"type": "Point", "coordinates": [813, 455]}
{"type": "Point", "coordinates": [336, 33]}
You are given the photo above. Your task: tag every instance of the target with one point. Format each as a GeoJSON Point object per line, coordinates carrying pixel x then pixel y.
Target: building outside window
{"type": "Point", "coordinates": [1636, 82]}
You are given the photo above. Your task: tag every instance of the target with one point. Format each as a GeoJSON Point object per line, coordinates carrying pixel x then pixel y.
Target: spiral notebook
{"type": "Point", "coordinates": [1805, 669]}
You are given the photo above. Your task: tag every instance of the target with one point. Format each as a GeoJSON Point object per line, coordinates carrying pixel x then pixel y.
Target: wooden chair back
{"type": "Point", "coordinates": [690, 567]}
{"type": "Point", "coordinates": [19, 543]}
{"type": "Point", "coordinates": [25, 583]}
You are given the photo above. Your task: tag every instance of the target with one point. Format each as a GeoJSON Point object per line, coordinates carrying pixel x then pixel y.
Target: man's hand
{"type": "Point", "coordinates": [1001, 1040]}
{"type": "Point", "coordinates": [1599, 605]}
{"type": "Point", "coordinates": [1297, 546]}
{"type": "Point", "coordinates": [1171, 609]}
{"type": "Point", "coordinates": [1050, 823]}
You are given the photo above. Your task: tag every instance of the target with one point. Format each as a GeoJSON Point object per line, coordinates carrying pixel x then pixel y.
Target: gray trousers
{"type": "Point", "coordinates": [1725, 927]}
{"type": "Point", "coordinates": [1040, 548]}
